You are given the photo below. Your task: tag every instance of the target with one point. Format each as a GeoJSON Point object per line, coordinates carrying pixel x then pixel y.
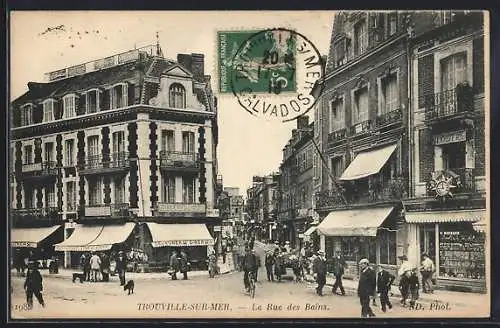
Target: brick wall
{"type": "Point", "coordinates": [426, 154]}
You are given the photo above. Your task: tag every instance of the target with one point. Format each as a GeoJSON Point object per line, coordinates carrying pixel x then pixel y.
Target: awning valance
{"type": "Point", "coordinates": [445, 216]}
{"type": "Point", "coordinates": [356, 222]}
{"type": "Point", "coordinates": [310, 230]}
{"type": "Point", "coordinates": [31, 237]}
{"type": "Point", "coordinates": [96, 238]}
{"type": "Point", "coordinates": [480, 226]}
{"type": "Point", "coordinates": [189, 234]}
{"type": "Point", "coordinates": [367, 163]}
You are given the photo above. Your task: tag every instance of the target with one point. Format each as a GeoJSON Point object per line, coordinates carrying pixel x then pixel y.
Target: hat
{"type": "Point", "coordinates": [364, 261]}
{"type": "Point", "coordinates": [403, 257]}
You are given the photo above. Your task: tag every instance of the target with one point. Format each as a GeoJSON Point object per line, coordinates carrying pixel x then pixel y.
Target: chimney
{"type": "Point", "coordinates": [185, 60]}
{"type": "Point", "coordinates": [302, 122]}
{"type": "Point", "coordinates": [198, 65]}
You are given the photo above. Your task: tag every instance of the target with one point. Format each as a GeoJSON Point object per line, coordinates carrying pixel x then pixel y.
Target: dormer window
{"type": "Point", "coordinates": [119, 96]}
{"type": "Point", "coordinates": [92, 101]}
{"type": "Point", "coordinates": [177, 96]}
{"type": "Point", "coordinates": [26, 114]}
{"type": "Point", "coordinates": [360, 38]}
{"type": "Point", "coordinates": [69, 106]}
{"type": "Point", "coordinates": [393, 22]}
{"type": "Point", "coordinates": [48, 110]}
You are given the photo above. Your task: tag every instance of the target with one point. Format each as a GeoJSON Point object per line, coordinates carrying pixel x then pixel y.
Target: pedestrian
{"type": "Point", "coordinates": [105, 265]}
{"type": "Point", "coordinates": [212, 264]}
{"type": "Point", "coordinates": [95, 266]}
{"type": "Point", "coordinates": [174, 265]}
{"type": "Point", "coordinates": [366, 288]}
{"type": "Point", "coordinates": [33, 285]}
{"type": "Point", "coordinates": [339, 265]}
{"type": "Point", "coordinates": [404, 273]}
{"type": "Point", "coordinates": [184, 263]}
{"type": "Point", "coordinates": [270, 260]}
{"type": "Point", "coordinates": [257, 258]}
{"type": "Point", "coordinates": [413, 286]}
{"type": "Point", "coordinates": [427, 269]}
{"type": "Point", "coordinates": [249, 265]}
{"type": "Point", "coordinates": [384, 283]}
{"type": "Point", "coordinates": [121, 267]}
{"type": "Point", "coordinates": [319, 270]}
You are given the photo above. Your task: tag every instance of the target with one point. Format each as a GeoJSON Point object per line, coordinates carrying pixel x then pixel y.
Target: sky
{"type": "Point", "coordinates": [248, 145]}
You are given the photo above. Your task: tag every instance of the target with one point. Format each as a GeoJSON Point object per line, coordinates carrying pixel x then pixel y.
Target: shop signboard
{"type": "Point", "coordinates": [450, 137]}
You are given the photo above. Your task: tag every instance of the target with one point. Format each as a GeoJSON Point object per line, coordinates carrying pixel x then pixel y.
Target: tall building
{"type": "Point", "coordinates": [262, 206]}
{"type": "Point", "coordinates": [296, 183]}
{"type": "Point", "coordinates": [121, 153]}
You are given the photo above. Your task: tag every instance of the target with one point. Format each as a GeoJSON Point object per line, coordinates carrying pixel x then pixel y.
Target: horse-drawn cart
{"type": "Point", "coordinates": [289, 264]}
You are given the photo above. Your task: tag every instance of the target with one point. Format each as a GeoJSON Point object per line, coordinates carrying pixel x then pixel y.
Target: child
{"type": "Point", "coordinates": [414, 286]}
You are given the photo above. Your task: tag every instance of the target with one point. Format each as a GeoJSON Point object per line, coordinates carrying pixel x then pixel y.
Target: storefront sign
{"type": "Point", "coordinates": [217, 228]}
{"type": "Point", "coordinates": [213, 213]}
{"type": "Point", "coordinates": [27, 244]}
{"type": "Point", "coordinates": [450, 137]}
{"type": "Point", "coordinates": [200, 242]}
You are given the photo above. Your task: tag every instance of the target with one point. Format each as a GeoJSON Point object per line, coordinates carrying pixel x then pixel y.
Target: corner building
{"type": "Point", "coordinates": [120, 153]}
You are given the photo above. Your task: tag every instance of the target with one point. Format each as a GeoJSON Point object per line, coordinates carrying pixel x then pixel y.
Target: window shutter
{"type": "Point", "coordinates": [58, 106]}
{"type": "Point", "coordinates": [38, 113]}
{"type": "Point", "coordinates": [104, 100]}
{"type": "Point", "coordinates": [426, 155]}
{"type": "Point", "coordinates": [81, 104]}
{"type": "Point", "coordinates": [478, 65]}
{"type": "Point", "coordinates": [16, 117]}
{"type": "Point", "coordinates": [131, 95]}
{"type": "Point", "coordinates": [125, 94]}
{"type": "Point", "coordinates": [425, 79]}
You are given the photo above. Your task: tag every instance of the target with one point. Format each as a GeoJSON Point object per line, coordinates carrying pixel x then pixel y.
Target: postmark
{"type": "Point", "coordinates": [274, 74]}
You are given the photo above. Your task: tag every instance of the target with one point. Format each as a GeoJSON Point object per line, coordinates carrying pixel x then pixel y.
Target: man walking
{"type": "Point", "coordinates": [33, 285]}
{"type": "Point", "coordinates": [319, 270]}
{"type": "Point", "coordinates": [121, 266]}
{"type": "Point", "coordinates": [339, 265]}
{"type": "Point", "coordinates": [384, 282]}
{"type": "Point", "coordinates": [184, 265]}
{"type": "Point", "coordinates": [269, 261]}
{"type": "Point", "coordinates": [95, 266]}
{"type": "Point", "coordinates": [404, 273]}
{"type": "Point", "coordinates": [427, 270]}
{"type": "Point", "coordinates": [174, 265]}
{"type": "Point", "coordinates": [366, 288]}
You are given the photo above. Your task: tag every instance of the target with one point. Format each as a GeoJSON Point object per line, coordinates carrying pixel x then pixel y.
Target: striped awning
{"type": "Point", "coordinates": [31, 237]}
{"type": "Point", "coordinates": [187, 234]}
{"type": "Point", "coordinates": [445, 216]}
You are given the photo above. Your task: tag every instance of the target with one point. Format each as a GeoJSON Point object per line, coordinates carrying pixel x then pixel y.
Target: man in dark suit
{"type": "Point", "coordinates": [319, 270]}
{"type": "Point", "coordinates": [339, 264]}
{"type": "Point", "coordinates": [384, 282]}
{"type": "Point", "coordinates": [366, 287]}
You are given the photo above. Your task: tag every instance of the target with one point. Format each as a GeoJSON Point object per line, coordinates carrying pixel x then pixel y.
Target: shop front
{"type": "Point", "coordinates": [456, 242]}
{"type": "Point", "coordinates": [372, 233]}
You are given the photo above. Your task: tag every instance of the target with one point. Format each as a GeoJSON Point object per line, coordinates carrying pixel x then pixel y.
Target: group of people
{"type": "Point", "coordinates": [99, 266]}
{"type": "Point", "coordinates": [178, 263]}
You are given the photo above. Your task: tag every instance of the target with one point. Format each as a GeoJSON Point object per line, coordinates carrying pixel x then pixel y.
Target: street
{"type": "Point", "coordinates": [202, 297]}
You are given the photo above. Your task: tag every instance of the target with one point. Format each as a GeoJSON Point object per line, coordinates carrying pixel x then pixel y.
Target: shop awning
{"type": "Point", "coordinates": [189, 234]}
{"type": "Point", "coordinates": [445, 216]}
{"type": "Point", "coordinates": [480, 226]}
{"type": "Point", "coordinates": [310, 230]}
{"type": "Point", "coordinates": [96, 238]}
{"type": "Point", "coordinates": [367, 163]}
{"type": "Point", "coordinates": [31, 237]}
{"type": "Point", "coordinates": [358, 222]}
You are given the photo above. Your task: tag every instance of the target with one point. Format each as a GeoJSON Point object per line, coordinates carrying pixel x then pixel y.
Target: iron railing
{"type": "Point", "coordinates": [361, 127]}
{"type": "Point", "coordinates": [180, 208]}
{"type": "Point", "coordinates": [337, 135]}
{"type": "Point", "coordinates": [449, 102]}
{"type": "Point", "coordinates": [119, 160]}
{"type": "Point", "coordinates": [394, 116]}
{"type": "Point", "coordinates": [44, 168]}
{"type": "Point", "coordinates": [36, 212]}
{"type": "Point", "coordinates": [178, 159]}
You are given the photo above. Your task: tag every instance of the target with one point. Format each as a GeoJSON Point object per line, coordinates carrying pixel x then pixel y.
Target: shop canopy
{"type": "Point", "coordinates": [445, 216]}
{"type": "Point", "coordinates": [31, 237]}
{"type": "Point", "coordinates": [189, 234]}
{"type": "Point", "coordinates": [96, 238]}
{"type": "Point", "coordinates": [310, 230]}
{"type": "Point", "coordinates": [368, 163]}
{"type": "Point", "coordinates": [356, 222]}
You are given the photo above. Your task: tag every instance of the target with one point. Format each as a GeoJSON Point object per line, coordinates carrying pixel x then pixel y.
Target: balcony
{"type": "Point", "coordinates": [178, 161]}
{"type": "Point", "coordinates": [30, 214]}
{"type": "Point", "coordinates": [449, 104]}
{"type": "Point", "coordinates": [105, 163]}
{"type": "Point", "coordinates": [336, 136]}
{"type": "Point", "coordinates": [118, 210]}
{"type": "Point", "coordinates": [451, 182]}
{"type": "Point", "coordinates": [39, 170]}
{"type": "Point", "coordinates": [390, 118]}
{"type": "Point", "coordinates": [361, 128]}
{"type": "Point", "coordinates": [180, 209]}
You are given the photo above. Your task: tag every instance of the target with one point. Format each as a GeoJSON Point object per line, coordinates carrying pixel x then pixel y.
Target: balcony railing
{"type": "Point", "coordinates": [107, 161]}
{"type": "Point", "coordinates": [361, 127]}
{"type": "Point", "coordinates": [328, 198]}
{"type": "Point", "coordinates": [178, 160]}
{"type": "Point", "coordinates": [180, 207]}
{"type": "Point", "coordinates": [118, 210]}
{"type": "Point", "coordinates": [392, 117]}
{"type": "Point", "coordinates": [43, 168]}
{"type": "Point", "coordinates": [337, 135]}
{"type": "Point", "coordinates": [456, 180]}
{"type": "Point", "coordinates": [449, 102]}
{"type": "Point", "coordinates": [36, 212]}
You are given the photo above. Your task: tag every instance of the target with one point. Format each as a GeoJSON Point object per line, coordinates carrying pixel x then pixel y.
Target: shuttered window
{"type": "Point", "coordinates": [425, 79]}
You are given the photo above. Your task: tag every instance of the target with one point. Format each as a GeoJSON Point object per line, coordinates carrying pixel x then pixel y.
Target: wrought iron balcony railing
{"type": "Point", "coordinates": [361, 127]}
{"type": "Point", "coordinates": [449, 102]}
{"type": "Point", "coordinates": [36, 212]}
{"type": "Point", "coordinates": [117, 210]}
{"type": "Point", "coordinates": [455, 180]}
{"type": "Point", "coordinates": [392, 117]}
{"type": "Point", "coordinates": [178, 160]}
{"type": "Point", "coordinates": [42, 168]}
{"type": "Point", "coordinates": [337, 135]}
{"type": "Point", "coordinates": [118, 160]}
{"type": "Point", "coordinates": [165, 209]}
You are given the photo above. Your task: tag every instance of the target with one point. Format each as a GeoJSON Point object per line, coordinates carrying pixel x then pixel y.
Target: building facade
{"type": "Point", "coordinates": [262, 206]}
{"type": "Point", "coordinates": [296, 183]}
{"type": "Point", "coordinates": [125, 144]}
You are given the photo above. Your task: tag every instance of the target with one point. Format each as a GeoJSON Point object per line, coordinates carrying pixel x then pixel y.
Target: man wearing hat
{"type": "Point", "coordinates": [366, 287]}
{"type": "Point", "coordinates": [319, 271]}
{"type": "Point", "coordinates": [33, 284]}
{"type": "Point", "coordinates": [269, 262]}
{"type": "Point", "coordinates": [404, 273]}
{"type": "Point", "coordinates": [427, 269]}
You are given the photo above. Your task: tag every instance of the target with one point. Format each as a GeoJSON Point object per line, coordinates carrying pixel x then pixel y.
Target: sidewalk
{"type": "Point", "coordinates": [441, 296]}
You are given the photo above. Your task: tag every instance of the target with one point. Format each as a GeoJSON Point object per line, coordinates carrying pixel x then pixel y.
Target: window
{"type": "Point", "coordinates": [360, 112]}
{"type": "Point", "coordinates": [387, 247]}
{"type": "Point", "coordinates": [27, 115]}
{"type": "Point", "coordinates": [360, 38]}
{"type": "Point", "coordinates": [341, 52]}
{"type": "Point", "coordinates": [168, 190]}
{"type": "Point", "coordinates": [177, 96]}
{"type": "Point", "coordinates": [119, 190]}
{"type": "Point", "coordinates": [50, 195]}
{"type": "Point", "coordinates": [48, 110]}
{"type": "Point", "coordinates": [28, 155]}
{"type": "Point", "coordinates": [29, 200]}
{"type": "Point", "coordinates": [69, 103]}
{"type": "Point", "coordinates": [454, 156]}
{"type": "Point", "coordinates": [71, 196]}
{"type": "Point", "coordinates": [70, 152]}
{"type": "Point", "coordinates": [167, 140]}
{"type": "Point", "coordinates": [119, 96]}
{"type": "Point", "coordinates": [336, 166]}
{"type": "Point", "coordinates": [453, 71]}
{"type": "Point", "coordinates": [188, 142]}
{"type": "Point", "coordinates": [118, 147]}
{"type": "Point", "coordinates": [49, 152]}
{"type": "Point", "coordinates": [393, 22]}
{"type": "Point", "coordinates": [95, 189]}
{"type": "Point", "coordinates": [188, 190]}
{"type": "Point", "coordinates": [389, 95]}
{"type": "Point", "coordinates": [92, 101]}
{"type": "Point", "coordinates": [336, 114]}
{"type": "Point", "coordinates": [93, 151]}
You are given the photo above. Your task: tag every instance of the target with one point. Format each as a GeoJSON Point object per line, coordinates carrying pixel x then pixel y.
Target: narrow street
{"type": "Point", "coordinates": [201, 297]}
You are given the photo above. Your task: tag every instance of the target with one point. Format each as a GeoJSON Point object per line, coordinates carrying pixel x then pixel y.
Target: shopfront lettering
{"type": "Point", "coordinates": [450, 137]}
